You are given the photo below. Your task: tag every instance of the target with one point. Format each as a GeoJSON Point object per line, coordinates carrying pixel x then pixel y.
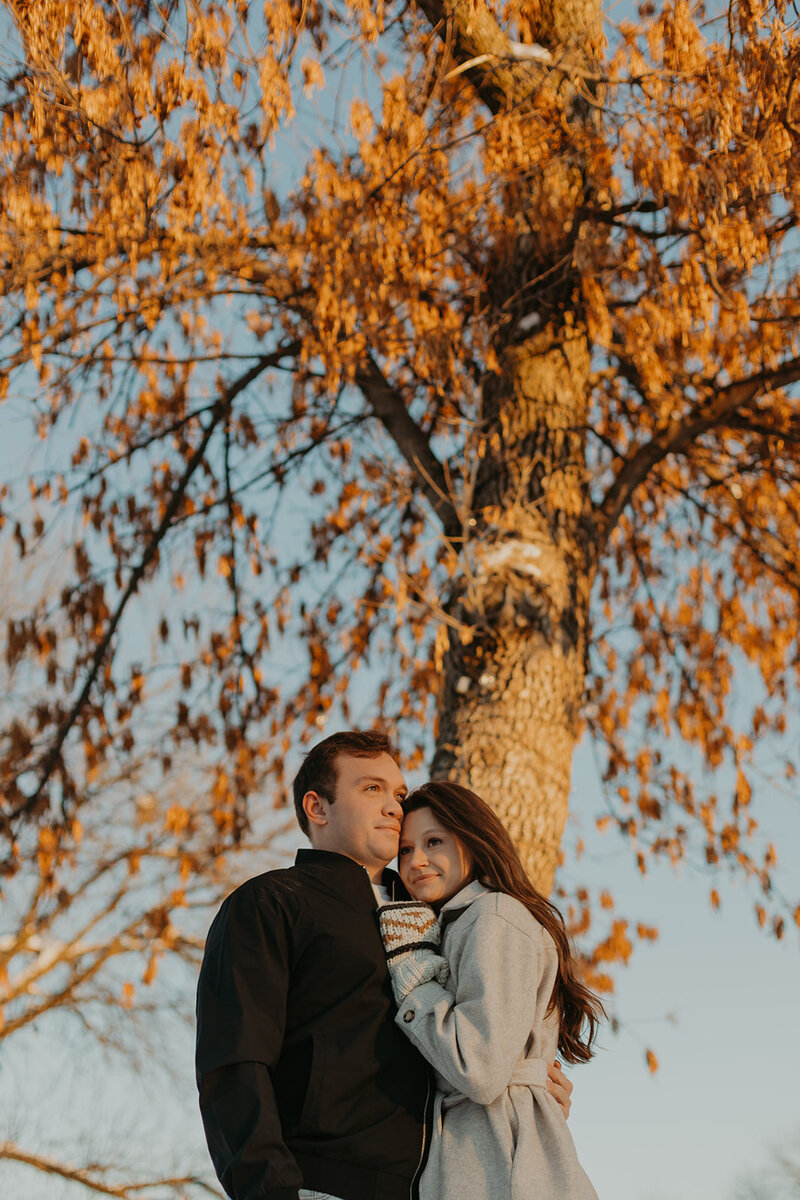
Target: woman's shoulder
{"type": "Point", "coordinates": [509, 910]}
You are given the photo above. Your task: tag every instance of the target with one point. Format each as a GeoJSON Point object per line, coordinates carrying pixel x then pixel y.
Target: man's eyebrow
{"type": "Point", "coordinates": [380, 779]}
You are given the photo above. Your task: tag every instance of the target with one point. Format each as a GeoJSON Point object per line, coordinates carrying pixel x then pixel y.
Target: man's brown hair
{"type": "Point", "coordinates": [318, 772]}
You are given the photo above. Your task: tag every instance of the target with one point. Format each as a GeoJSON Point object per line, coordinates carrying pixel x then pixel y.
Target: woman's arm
{"type": "Point", "coordinates": [411, 937]}
{"type": "Point", "coordinates": [475, 1037]}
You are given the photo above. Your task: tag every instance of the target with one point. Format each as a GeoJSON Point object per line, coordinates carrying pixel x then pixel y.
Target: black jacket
{"type": "Point", "coordinates": [304, 1078]}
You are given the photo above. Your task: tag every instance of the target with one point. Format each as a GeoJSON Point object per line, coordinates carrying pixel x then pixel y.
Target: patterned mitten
{"type": "Point", "coordinates": [411, 939]}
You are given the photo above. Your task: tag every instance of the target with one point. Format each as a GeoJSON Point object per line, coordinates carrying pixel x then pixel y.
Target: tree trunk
{"type": "Point", "coordinates": [514, 668]}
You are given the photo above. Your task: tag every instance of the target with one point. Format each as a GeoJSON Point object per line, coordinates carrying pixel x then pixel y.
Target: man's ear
{"type": "Point", "coordinates": [316, 808]}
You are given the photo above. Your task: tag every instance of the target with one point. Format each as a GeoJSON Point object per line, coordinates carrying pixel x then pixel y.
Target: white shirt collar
{"type": "Point", "coordinates": [382, 894]}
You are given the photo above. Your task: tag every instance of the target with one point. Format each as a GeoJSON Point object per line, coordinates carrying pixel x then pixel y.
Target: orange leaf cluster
{"type": "Point", "coordinates": [315, 376]}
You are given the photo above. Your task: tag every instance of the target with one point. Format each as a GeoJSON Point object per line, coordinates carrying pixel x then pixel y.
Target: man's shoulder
{"type": "Point", "coordinates": [271, 893]}
{"type": "Point", "coordinates": [281, 883]}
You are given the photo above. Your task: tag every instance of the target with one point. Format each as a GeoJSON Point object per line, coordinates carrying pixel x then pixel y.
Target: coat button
{"type": "Point", "coordinates": [408, 1015]}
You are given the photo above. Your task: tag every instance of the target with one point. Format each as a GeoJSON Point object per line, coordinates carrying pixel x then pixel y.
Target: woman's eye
{"type": "Point", "coordinates": [434, 841]}
{"type": "Point", "coordinates": [403, 850]}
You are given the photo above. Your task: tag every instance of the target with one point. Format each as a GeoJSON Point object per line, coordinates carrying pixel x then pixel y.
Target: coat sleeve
{"type": "Point", "coordinates": [475, 1035]}
{"type": "Point", "coordinates": [241, 1016]}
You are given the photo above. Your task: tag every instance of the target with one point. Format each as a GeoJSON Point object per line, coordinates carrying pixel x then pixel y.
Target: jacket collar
{"type": "Point", "coordinates": [325, 858]}
{"type": "Point", "coordinates": [330, 860]}
{"type": "Point", "coordinates": [462, 900]}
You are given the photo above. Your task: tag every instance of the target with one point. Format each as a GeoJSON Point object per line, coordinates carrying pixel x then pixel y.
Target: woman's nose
{"type": "Point", "coordinates": [418, 857]}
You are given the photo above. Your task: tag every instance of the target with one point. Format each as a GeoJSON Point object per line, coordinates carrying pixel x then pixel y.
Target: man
{"type": "Point", "coordinates": [305, 1080]}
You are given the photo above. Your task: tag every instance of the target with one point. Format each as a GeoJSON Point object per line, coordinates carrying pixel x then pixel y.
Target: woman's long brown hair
{"type": "Point", "coordinates": [497, 864]}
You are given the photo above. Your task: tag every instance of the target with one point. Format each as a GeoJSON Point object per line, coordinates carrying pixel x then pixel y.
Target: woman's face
{"type": "Point", "coordinates": [433, 863]}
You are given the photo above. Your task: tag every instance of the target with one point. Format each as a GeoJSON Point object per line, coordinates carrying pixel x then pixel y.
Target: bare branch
{"type": "Point", "coordinates": [91, 1177]}
{"type": "Point", "coordinates": [221, 409]}
{"type": "Point", "coordinates": [389, 407]}
{"type": "Point", "coordinates": [679, 434]}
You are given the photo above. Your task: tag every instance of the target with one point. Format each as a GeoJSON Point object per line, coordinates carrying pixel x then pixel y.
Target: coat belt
{"type": "Point", "coordinates": [529, 1072]}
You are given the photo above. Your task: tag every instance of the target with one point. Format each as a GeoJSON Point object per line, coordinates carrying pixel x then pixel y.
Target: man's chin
{"type": "Point", "coordinates": [385, 849]}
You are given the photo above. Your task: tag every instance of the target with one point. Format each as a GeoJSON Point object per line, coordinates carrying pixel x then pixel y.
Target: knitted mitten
{"type": "Point", "coordinates": [411, 939]}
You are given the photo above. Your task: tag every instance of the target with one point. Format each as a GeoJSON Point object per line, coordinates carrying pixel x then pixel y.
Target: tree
{"type": "Point", "coordinates": [777, 1179]}
{"type": "Point", "coordinates": [487, 395]}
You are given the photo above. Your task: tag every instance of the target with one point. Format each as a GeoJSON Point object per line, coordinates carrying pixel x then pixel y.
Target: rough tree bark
{"type": "Point", "coordinates": [513, 676]}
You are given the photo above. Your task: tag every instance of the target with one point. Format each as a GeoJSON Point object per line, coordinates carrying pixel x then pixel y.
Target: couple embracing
{"type": "Point", "coordinates": [364, 1035]}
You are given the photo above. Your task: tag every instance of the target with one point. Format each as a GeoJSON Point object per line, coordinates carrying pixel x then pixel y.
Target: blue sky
{"type": "Point", "coordinates": [716, 1000]}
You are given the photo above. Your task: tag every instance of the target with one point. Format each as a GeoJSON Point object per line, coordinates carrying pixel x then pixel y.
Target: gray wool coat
{"type": "Point", "coordinates": [497, 1132]}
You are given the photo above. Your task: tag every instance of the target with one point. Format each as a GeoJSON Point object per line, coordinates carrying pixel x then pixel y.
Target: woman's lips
{"type": "Point", "coordinates": [424, 878]}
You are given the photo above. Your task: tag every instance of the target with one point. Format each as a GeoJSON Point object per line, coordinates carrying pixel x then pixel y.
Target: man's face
{"type": "Point", "coordinates": [364, 820]}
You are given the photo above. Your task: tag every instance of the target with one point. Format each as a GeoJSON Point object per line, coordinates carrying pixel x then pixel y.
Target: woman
{"type": "Point", "coordinates": [490, 1008]}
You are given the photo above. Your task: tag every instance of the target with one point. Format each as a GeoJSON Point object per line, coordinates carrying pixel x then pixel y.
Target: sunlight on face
{"type": "Point", "coordinates": [433, 863]}
{"type": "Point", "coordinates": [363, 821]}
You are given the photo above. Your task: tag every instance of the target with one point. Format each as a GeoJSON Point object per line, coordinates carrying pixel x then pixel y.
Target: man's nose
{"type": "Point", "coordinates": [393, 808]}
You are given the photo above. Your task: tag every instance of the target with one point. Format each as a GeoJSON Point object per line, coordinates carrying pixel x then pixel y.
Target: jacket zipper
{"type": "Point", "coordinates": [423, 1153]}
{"type": "Point", "coordinates": [426, 1112]}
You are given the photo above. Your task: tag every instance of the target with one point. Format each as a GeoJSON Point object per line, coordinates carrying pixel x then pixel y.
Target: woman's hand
{"type": "Point", "coordinates": [559, 1087]}
{"type": "Point", "coordinates": [411, 938]}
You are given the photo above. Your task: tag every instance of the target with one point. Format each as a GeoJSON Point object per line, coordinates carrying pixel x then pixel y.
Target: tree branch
{"type": "Point", "coordinates": [388, 406]}
{"type": "Point", "coordinates": [679, 434]}
{"type": "Point", "coordinates": [90, 1177]}
{"type": "Point", "coordinates": [220, 410]}
{"type": "Point", "coordinates": [475, 34]}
